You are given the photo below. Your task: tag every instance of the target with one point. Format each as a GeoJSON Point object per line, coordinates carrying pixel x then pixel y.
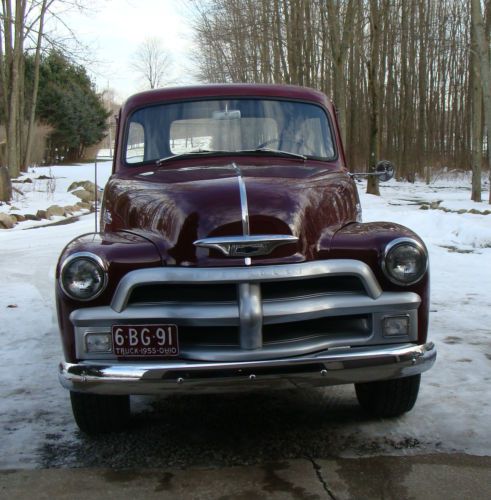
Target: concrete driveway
{"type": "Point", "coordinates": [441, 476]}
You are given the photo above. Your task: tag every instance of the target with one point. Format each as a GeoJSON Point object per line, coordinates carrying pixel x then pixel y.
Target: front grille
{"type": "Point", "coordinates": [184, 293]}
{"type": "Point", "coordinates": [227, 292]}
{"type": "Point", "coordinates": [256, 313]}
{"type": "Point", "coordinates": [260, 312]}
{"type": "Point", "coordinates": [335, 330]}
{"type": "Point", "coordinates": [271, 290]}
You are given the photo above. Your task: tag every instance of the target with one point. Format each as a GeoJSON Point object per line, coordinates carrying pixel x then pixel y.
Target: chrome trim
{"type": "Point", "coordinates": [251, 316]}
{"type": "Point", "coordinates": [84, 255]}
{"type": "Point", "coordinates": [339, 366]}
{"type": "Point", "coordinates": [250, 320]}
{"type": "Point", "coordinates": [394, 243]}
{"type": "Point", "coordinates": [227, 314]}
{"type": "Point", "coordinates": [232, 246]}
{"type": "Point", "coordinates": [252, 274]}
{"type": "Point", "coordinates": [273, 350]}
{"type": "Point", "coordinates": [243, 201]}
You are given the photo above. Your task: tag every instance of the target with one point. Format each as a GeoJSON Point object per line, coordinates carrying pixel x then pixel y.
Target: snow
{"type": "Point", "coordinates": [453, 410]}
{"type": "Point", "coordinates": [49, 186]}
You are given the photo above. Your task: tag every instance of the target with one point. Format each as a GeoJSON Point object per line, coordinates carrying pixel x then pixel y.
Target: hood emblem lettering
{"type": "Point", "coordinates": [246, 246]}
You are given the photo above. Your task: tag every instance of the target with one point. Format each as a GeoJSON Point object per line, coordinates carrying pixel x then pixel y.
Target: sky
{"type": "Point", "coordinates": [113, 29]}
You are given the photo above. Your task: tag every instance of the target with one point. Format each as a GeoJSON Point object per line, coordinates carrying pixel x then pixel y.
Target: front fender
{"type": "Point", "coordinates": [367, 242]}
{"type": "Point", "coordinates": [121, 253]}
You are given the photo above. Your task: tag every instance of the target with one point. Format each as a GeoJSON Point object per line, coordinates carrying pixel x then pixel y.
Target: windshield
{"type": "Point", "coordinates": [235, 125]}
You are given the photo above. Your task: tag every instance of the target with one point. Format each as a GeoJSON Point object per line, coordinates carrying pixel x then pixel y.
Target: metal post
{"type": "Point", "coordinates": [96, 201]}
{"type": "Point", "coordinates": [95, 192]}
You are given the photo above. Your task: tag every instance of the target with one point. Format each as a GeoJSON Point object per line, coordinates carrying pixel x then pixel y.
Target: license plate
{"type": "Point", "coordinates": [145, 340]}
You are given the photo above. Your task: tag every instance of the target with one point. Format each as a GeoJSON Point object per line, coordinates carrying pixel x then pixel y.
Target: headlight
{"type": "Point", "coordinates": [405, 261]}
{"type": "Point", "coordinates": [82, 276]}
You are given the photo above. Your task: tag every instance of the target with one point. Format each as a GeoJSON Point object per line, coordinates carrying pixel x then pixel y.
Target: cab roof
{"type": "Point", "coordinates": [224, 90]}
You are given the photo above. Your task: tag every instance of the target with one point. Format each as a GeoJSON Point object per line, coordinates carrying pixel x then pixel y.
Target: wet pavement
{"type": "Point", "coordinates": [428, 477]}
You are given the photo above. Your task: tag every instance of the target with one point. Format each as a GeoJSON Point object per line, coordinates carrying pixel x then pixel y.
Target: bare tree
{"type": "Point", "coordinates": [373, 92]}
{"type": "Point", "coordinates": [476, 116]}
{"type": "Point", "coordinates": [340, 40]}
{"type": "Point", "coordinates": [152, 63]}
{"type": "Point", "coordinates": [483, 55]}
{"type": "Point", "coordinates": [418, 74]}
{"type": "Point", "coordinates": [22, 29]}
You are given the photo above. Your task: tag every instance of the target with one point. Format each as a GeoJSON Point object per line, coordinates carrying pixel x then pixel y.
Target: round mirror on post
{"type": "Point", "coordinates": [385, 170]}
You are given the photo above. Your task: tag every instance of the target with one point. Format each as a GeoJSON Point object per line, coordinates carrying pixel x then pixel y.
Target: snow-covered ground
{"type": "Point", "coordinates": [453, 412]}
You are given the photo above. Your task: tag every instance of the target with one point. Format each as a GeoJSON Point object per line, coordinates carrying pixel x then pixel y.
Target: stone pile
{"type": "Point", "coordinates": [84, 190]}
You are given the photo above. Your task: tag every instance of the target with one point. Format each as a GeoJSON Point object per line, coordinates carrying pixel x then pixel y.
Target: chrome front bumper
{"type": "Point", "coordinates": [329, 367]}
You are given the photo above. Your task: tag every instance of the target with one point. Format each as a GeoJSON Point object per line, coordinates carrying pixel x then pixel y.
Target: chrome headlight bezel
{"type": "Point", "coordinates": [395, 244]}
{"type": "Point", "coordinates": [100, 267]}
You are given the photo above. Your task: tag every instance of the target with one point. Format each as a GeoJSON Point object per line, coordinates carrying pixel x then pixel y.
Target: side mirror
{"type": "Point", "coordinates": [385, 170]}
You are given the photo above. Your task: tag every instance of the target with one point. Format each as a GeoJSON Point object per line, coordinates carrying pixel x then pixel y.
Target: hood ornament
{"type": "Point", "coordinates": [246, 246]}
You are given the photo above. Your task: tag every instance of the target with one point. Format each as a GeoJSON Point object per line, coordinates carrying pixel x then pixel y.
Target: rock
{"type": "Point", "coordinates": [462, 211]}
{"type": "Point", "coordinates": [83, 205]}
{"type": "Point", "coordinates": [6, 221]}
{"type": "Point", "coordinates": [475, 212]}
{"type": "Point", "coordinates": [75, 185]}
{"type": "Point", "coordinates": [487, 212]}
{"type": "Point", "coordinates": [41, 214]}
{"type": "Point", "coordinates": [84, 195]}
{"type": "Point", "coordinates": [55, 210]}
{"type": "Point", "coordinates": [424, 207]}
{"type": "Point", "coordinates": [44, 177]}
{"type": "Point", "coordinates": [32, 217]}
{"type": "Point", "coordinates": [27, 180]}
{"type": "Point", "coordinates": [70, 209]}
{"type": "Point", "coordinates": [18, 217]}
{"type": "Point", "coordinates": [435, 204]}
{"type": "Point", "coordinates": [87, 185]}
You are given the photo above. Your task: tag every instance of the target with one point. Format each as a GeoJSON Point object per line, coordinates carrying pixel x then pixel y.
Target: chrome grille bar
{"type": "Point", "coordinates": [252, 274]}
{"type": "Point", "coordinates": [251, 316]}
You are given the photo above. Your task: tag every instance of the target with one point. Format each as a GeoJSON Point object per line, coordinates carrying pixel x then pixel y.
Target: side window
{"type": "Point", "coordinates": [135, 147]}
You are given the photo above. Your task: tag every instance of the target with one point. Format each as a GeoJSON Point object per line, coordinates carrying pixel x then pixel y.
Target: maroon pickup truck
{"type": "Point", "coordinates": [232, 256]}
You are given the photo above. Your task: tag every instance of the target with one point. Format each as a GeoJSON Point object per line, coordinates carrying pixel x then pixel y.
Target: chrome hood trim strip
{"type": "Point", "coordinates": [244, 207]}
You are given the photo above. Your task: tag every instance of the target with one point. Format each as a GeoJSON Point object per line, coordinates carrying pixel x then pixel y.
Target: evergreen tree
{"type": "Point", "coordinates": [69, 104]}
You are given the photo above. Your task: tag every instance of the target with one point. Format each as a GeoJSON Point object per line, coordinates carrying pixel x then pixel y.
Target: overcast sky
{"type": "Point", "coordinates": [113, 29]}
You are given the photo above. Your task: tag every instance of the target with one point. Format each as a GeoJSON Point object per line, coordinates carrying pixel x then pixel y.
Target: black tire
{"type": "Point", "coordinates": [388, 398]}
{"type": "Point", "coordinates": [97, 414]}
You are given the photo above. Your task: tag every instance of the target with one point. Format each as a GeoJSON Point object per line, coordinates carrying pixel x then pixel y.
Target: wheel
{"type": "Point", "coordinates": [96, 414]}
{"type": "Point", "coordinates": [388, 398]}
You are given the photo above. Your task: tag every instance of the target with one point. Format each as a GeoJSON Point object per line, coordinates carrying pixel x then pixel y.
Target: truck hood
{"type": "Point", "coordinates": [174, 207]}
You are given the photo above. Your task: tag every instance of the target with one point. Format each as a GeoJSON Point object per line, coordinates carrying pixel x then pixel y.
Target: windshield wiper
{"type": "Point", "coordinates": [276, 152]}
{"type": "Point", "coordinates": [220, 152]}
{"type": "Point", "coordinates": [196, 152]}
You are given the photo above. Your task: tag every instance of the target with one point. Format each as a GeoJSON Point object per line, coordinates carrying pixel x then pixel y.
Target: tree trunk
{"type": "Point", "coordinates": [5, 185]}
{"type": "Point", "coordinates": [483, 53]}
{"type": "Point", "coordinates": [372, 66]}
{"type": "Point", "coordinates": [476, 119]}
{"type": "Point", "coordinates": [32, 115]}
{"type": "Point", "coordinates": [339, 47]}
